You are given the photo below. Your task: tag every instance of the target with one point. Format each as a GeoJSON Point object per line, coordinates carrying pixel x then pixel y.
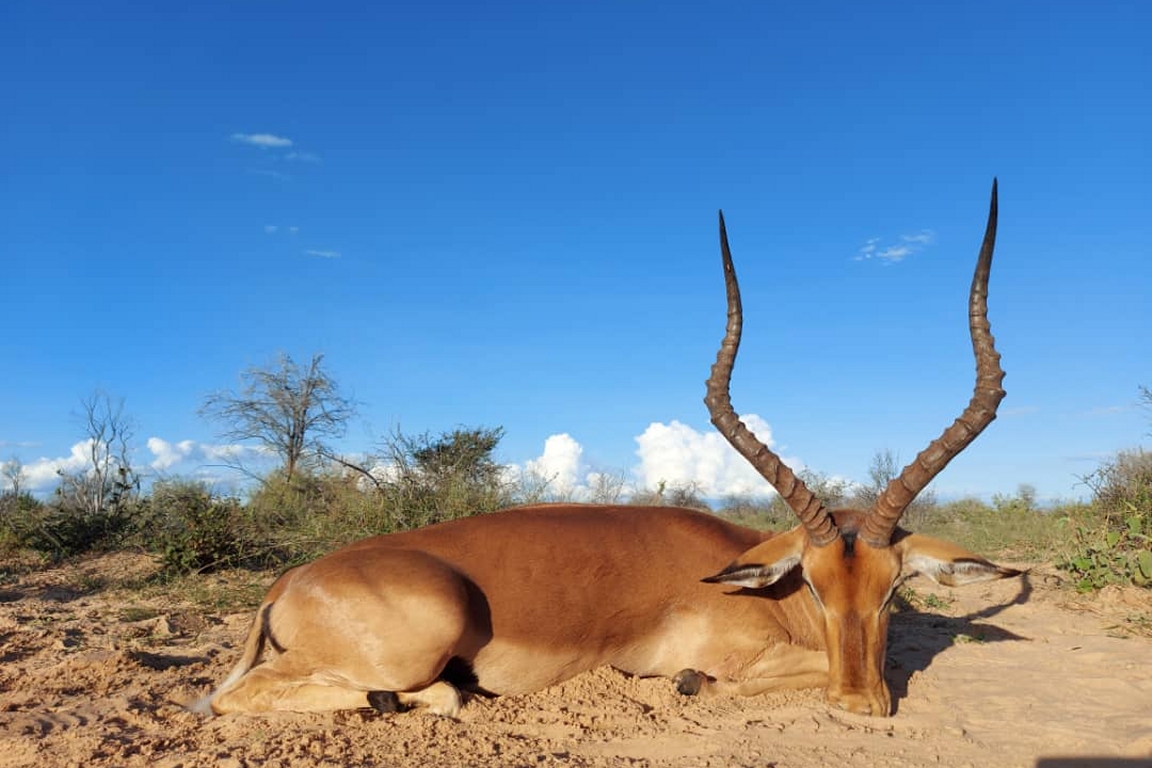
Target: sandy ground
{"type": "Point", "coordinates": [1008, 674]}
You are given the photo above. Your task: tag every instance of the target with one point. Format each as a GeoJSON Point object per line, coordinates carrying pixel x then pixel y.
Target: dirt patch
{"type": "Point", "coordinates": [1008, 674]}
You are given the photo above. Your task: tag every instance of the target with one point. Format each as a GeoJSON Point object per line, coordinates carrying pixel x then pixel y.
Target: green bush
{"type": "Point", "coordinates": [59, 530]}
{"type": "Point", "coordinates": [433, 479]}
{"type": "Point", "coordinates": [18, 515]}
{"type": "Point", "coordinates": [418, 481]}
{"type": "Point", "coordinates": [193, 530]}
{"type": "Point", "coordinates": [300, 520]}
{"type": "Point", "coordinates": [1110, 540]}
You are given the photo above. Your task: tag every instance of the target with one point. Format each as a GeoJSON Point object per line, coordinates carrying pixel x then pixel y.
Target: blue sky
{"type": "Point", "coordinates": [504, 214]}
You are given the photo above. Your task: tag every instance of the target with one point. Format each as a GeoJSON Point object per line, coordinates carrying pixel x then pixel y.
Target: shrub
{"type": "Point", "coordinates": [59, 529]}
{"type": "Point", "coordinates": [19, 514]}
{"type": "Point", "coordinates": [193, 530]}
{"type": "Point", "coordinates": [757, 512]}
{"type": "Point", "coordinates": [430, 479]}
{"type": "Point", "coordinates": [671, 495]}
{"type": "Point", "coordinates": [313, 514]}
{"type": "Point", "coordinates": [1011, 523]}
{"type": "Point", "coordinates": [1111, 538]}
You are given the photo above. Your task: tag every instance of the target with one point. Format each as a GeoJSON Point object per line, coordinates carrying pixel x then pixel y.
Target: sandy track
{"type": "Point", "coordinates": [1004, 674]}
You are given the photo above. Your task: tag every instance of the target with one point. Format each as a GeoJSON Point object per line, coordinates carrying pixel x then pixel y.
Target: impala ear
{"type": "Point", "coordinates": [764, 564]}
{"type": "Point", "coordinates": [947, 563]}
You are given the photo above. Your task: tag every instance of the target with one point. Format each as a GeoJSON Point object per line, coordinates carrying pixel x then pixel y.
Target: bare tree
{"type": "Point", "coordinates": [289, 409]}
{"type": "Point", "coordinates": [885, 466]}
{"type": "Point", "coordinates": [11, 480]}
{"type": "Point", "coordinates": [607, 487]}
{"type": "Point", "coordinates": [108, 478]}
{"type": "Point", "coordinates": [674, 494]}
{"type": "Point", "coordinates": [1146, 400]}
{"type": "Point", "coordinates": [12, 476]}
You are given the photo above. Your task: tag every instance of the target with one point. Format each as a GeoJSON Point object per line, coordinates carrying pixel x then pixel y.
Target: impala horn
{"type": "Point", "coordinates": [815, 518]}
{"type": "Point", "coordinates": [880, 524]}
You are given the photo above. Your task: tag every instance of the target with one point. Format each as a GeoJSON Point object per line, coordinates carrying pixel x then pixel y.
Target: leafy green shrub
{"type": "Point", "coordinates": [313, 514]}
{"type": "Point", "coordinates": [1111, 538]}
{"type": "Point", "coordinates": [19, 513]}
{"type": "Point", "coordinates": [59, 529]}
{"type": "Point", "coordinates": [193, 530]}
{"type": "Point", "coordinates": [419, 480]}
{"type": "Point", "coordinates": [431, 479]}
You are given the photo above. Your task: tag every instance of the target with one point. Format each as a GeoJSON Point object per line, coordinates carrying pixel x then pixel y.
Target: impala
{"type": "Point", "coordinates": [521, 599]}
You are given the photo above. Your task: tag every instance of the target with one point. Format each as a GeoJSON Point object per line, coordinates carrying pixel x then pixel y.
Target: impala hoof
{"type": "Point", "coordinates": [689, 681]}
{"type": "Point", "coordinates": [385, 702]}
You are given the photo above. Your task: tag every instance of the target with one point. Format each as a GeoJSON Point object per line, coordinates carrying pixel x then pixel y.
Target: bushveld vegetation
{"type": "Point", "coordinates": [317, 501]}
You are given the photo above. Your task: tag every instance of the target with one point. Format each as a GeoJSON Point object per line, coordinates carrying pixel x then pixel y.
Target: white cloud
{"type": "Point", "coordinates": [673, 454]}
{"type": "Point", "coordinates": [303, 157]}
{"type": "Point", "coordinates": [231, 453]}
{"type": "Point", "coordinates": [293, 230]}
{"type": "Point", "coordinates": [42, 474]}
{"type": "Point", "coordinates": [677, 454]}
{"type": "Point", "coordinates": [168, 454]}
{"type": "Point", "coordinates": [184, 457]}
{"type": "Point", "coordinates": [271, 228]}
{"type": "Point", "coordinates": [561, 472]}
{"type": "Point", "coordinates": [896, 253]}
{"type": "Point", "coordinates": [867, 249]}
{"type": "Point", "coordinates": [923, 237]}
{"type": "Point", "coordinates": [262, 140]}
{"type": "Point", "coordinates": [559, 465]}
{"type": "Point", "coordinates": [892, 254]}
{"type": "Point", "coordinates": [322, 254]}
{"type": "Point", "coordinates": [217, 465]}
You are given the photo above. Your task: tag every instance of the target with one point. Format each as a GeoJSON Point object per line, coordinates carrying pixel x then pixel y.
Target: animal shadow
{"type": "Point", "coordinates": [916, 637]}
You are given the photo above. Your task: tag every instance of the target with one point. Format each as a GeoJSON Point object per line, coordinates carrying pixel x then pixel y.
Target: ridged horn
{"type": "Point", "coordinates": [880, 524]}
{"type": "Point", "coordinates": [814, 517]}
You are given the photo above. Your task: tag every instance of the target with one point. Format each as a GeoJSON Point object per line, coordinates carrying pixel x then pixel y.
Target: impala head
{"type": "Point", "coordinates": [852, 560]}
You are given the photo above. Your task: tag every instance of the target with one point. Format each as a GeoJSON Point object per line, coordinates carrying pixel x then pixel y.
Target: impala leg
{"type": "Point", "coordinates": [440, 698]}
{"type": "Point", "coordinates": [782, 667]}
{"type": "Point", "coordinates": [275, 686]}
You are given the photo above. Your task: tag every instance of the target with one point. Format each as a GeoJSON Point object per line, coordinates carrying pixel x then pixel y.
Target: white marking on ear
{"type": "Point", "coordinates": [955, 573]}
{"type": "Point", "coordinates": [755, 575]}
